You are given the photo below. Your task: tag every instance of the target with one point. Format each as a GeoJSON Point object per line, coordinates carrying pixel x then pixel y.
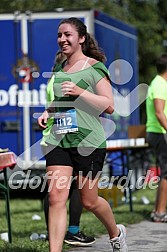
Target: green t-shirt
{"type": "Point", "coordinates": [156, 90]}
{"type": "Point", "coordinates": [90, 131]}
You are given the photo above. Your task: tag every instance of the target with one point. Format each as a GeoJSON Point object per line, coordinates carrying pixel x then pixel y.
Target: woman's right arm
{"type": "Point", "coordinates": [42, 120]}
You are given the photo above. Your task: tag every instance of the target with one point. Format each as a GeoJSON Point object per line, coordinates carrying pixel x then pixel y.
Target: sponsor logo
{"type": "Point", "coordinates": [19, 97]}
{"type": "Point", "coordinates": [24, 68]}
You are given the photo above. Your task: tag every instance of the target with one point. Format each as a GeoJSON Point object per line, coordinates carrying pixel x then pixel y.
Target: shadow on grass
{"type": "Point", "coordinates": [17, 211]}
{"type": "Point", "coordinates": [24, 246]}
{"type": "Point", "coordinates": [135, 216]}
{"type": "Point", "coordinates": [17, 249]}
{"type": "Point", "coordinates": [143, 212]}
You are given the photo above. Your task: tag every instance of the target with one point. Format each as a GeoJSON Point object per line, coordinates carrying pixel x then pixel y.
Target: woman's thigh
{"type": "Point", "coordinates": [59, 182]}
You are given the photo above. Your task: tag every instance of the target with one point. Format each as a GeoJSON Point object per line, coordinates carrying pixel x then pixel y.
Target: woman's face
{"type": "Point", "coordinates": [68, 39]}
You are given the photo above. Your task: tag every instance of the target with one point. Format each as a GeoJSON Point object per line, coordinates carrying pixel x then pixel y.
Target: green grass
{"type": "Point", "coordinates": [22, 211]}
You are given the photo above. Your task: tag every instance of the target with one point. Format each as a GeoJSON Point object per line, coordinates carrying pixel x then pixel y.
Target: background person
{"type": "Point", "coordinates": [156, 127]}
{"type": "Point", "coordinates": [81, 144]}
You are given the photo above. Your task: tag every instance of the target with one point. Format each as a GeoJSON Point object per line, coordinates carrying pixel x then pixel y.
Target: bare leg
{"type": "Point", "coordinates": [161, 199]}
{"type": "Point", "coordinates": [99, 206]}
{"type": "Point", "coordinates": [58, 187]}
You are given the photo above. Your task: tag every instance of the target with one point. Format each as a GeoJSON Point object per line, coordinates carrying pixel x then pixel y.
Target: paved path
{"type": "Point", "coordinates": [141, 237]}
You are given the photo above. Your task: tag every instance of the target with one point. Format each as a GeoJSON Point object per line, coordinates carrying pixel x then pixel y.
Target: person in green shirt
{"type": "Point", "coordinates": [76, 143]}
{"type": "Point", "coordinates": [73, 236]}
{"type": "Point", "coordinates": [156, 128]}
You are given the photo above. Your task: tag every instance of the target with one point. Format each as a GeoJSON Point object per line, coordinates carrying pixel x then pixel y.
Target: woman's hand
{"type": "Point", "coordinates": [42, 120]}
{"type": "Point", "coordinates": [70, 88]}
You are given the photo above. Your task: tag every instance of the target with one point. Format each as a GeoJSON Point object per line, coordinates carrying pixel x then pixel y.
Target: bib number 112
{"type": "Point", "coordinates": [65, 122]}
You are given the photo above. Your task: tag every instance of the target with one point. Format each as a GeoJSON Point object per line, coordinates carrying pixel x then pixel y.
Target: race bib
{"type": "Point", "coordinates": [65, 122]}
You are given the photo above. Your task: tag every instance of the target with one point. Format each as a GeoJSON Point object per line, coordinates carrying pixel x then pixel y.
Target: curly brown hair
{"type": "Point", "coordinates": [90, 46]}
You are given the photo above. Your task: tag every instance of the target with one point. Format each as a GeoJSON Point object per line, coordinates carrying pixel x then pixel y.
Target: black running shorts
{"type": "Point", "coordinates": [158, 142]}
{"type": "Point", "coordinates": [83, 160]}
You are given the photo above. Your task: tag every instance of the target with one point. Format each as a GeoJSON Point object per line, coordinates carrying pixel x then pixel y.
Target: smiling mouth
{"type": "Point", "coordinates": [64, 47]}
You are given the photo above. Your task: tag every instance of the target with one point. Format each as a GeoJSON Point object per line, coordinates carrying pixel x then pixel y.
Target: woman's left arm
{"type": "Point", "coordinates": [103, 99]}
